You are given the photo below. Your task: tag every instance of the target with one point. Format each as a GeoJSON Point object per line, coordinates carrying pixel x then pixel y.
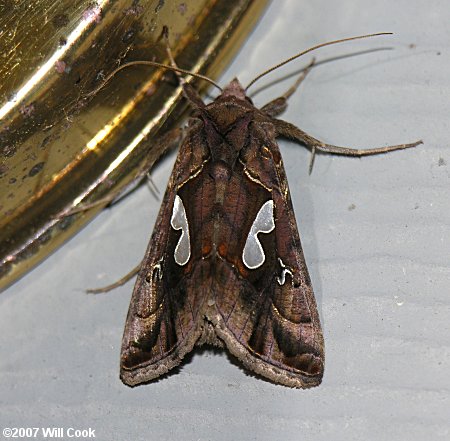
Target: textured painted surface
{"type": "Point", "coordinates": [376, 235]}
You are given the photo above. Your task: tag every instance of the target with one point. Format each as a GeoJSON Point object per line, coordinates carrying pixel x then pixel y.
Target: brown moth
{"type": "Point", "coordinates": [225, 265]}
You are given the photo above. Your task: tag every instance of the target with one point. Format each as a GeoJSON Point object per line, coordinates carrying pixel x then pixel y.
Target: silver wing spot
{"type": "Point", "coordinates": [179, 222]}
{"type": "Point", "coordinates": [158, 269]}
{"type": "Point", "coordinates": [284, 270]}
{"type": "Point", "coordinates": [253, 255]}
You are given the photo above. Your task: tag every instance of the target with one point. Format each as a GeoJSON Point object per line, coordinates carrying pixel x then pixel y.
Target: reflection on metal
{"type": "Point", "coordinates": [42, 71]}
{"type": "Point", "coordinates": [61, 144]}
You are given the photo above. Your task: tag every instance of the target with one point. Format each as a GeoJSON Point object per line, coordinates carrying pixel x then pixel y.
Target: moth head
{"type": "Point", "coordinates": [235, 89]}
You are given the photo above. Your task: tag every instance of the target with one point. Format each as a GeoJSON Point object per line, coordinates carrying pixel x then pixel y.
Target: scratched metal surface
{"type": "Point", "coordinates": [376, 234]}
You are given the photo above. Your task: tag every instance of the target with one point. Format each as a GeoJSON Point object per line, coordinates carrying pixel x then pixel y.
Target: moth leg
{"type": "Point", "coordinates": [152, 186]}
{"type": "Point", "coordinates": [115, 285]}
{"type": "Point", "coordinates": [279, 105]}
{"type": "Point", "coordinates": [288, 130]}
{"type": "Point", "coordinates": [165, 143]}
{"type": "Point", "coordinates": [117, 195]}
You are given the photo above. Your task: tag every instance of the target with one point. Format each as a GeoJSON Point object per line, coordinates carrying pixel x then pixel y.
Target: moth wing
{"type": "Point", "coordinates": [268, 315]}
{"type": "Point", "coordinates": [161, 325]}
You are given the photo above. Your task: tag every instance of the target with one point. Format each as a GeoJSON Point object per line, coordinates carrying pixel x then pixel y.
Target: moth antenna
{"type": "Point", "coordinates": [359, 37]}
{"type": "Point", "coordinates": [155, 64]}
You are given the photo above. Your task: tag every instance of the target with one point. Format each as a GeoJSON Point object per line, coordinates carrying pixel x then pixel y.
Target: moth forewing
{"type": "Point", "coordinates": [150, 345]}
{"type": "Point", "coordinates": [286, 338]}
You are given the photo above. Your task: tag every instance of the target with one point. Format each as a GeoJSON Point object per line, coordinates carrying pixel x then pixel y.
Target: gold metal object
{"type": "Point", "coordinates": [60, 143]}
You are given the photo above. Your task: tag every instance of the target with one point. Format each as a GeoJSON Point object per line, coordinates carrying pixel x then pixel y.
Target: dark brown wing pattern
{"type": "Point", "coordinates": [225, 264]}
{"type": "Point", "coordinates": [268, 315]}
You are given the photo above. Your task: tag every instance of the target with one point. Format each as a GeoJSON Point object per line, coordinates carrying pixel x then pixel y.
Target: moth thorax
{"type": "Point", "coordinates": [220, 171]}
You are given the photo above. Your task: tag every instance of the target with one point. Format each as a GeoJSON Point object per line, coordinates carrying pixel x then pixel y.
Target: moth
{"type": "Point", "coordinates": [225, 265]}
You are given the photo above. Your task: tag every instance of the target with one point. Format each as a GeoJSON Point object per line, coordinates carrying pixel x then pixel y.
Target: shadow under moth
{"type": "Point", "coordinates": [225, 265]}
